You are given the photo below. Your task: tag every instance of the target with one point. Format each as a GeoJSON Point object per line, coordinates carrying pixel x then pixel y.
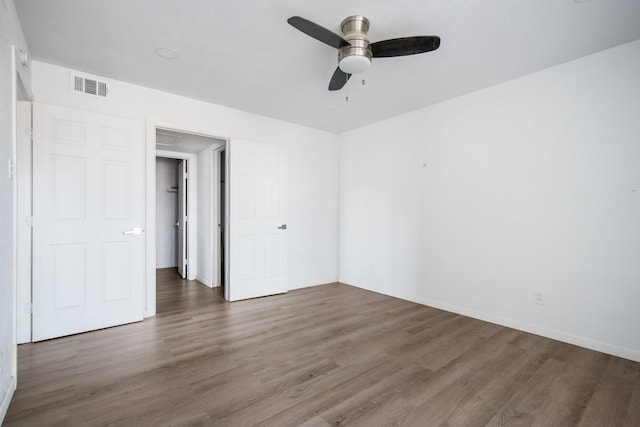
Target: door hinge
{"type": "Point", "coordinates": [12, 169]}
{"type": "Point", "coordinates": [28, 221]}
{"type": "Point", "coordinates": [28, 308]}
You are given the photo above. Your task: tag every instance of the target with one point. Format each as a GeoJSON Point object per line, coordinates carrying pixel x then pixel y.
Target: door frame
{"type": "Point", "coordinates": [219, 219]}
{"type": "Point", "coordinates": [192, 206]}
{"type": "Point", "coordinates": [19, 89]}
{"type": "Point", "coordinates": [24, 212]}
{"type": "Point", "coordinates": [153, 124]}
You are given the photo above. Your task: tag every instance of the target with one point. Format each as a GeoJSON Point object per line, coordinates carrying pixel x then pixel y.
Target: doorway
{"type": "Point", "coordinates": [171, 213]}
{"type": "Point", "coordinates": [186, 203]}
{"type": "Point", "coordinates": [255, 236]}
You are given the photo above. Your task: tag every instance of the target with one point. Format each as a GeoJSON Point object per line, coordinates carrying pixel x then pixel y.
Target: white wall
{"type": "Point", "coordinates": [166, 212]}
{"type": "Point", "coordinates": [532, 184]}
{"type": "Point", "coordinates": [10, 35]}
{"type": "Point", "coordinates": [313, 158]}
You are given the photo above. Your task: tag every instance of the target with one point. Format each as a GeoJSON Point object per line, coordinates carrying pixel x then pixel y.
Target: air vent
{"type": "Point", "coordinates": [78, 84]}
{"type": "Point", "coordinates": [89, 85]}
{"type": "Point", "coordinates": [102, 89]}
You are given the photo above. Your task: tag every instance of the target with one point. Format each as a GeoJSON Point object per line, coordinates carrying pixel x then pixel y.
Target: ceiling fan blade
{"type": "Point", "coordinates": [404, 46]}
{"type": "Point", "coordinates": [317, 32]}
{"type": "Point", "coordinates": [338, 80]}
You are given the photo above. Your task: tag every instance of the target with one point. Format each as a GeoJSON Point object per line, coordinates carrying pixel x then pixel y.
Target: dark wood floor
{"type": "Point", "coordinates": [327, 355]}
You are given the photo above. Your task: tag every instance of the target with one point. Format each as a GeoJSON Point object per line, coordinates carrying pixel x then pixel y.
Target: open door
{"type": "Point", "coordinates": [257, 227]}
{"type": "Point", "coordinates": [182, 219]}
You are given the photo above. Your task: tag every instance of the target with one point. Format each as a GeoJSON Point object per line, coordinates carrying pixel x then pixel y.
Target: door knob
{"type": "Point", "coordinates": [282, 227]}
{"type": "Point", "coordinates": [133, 232]}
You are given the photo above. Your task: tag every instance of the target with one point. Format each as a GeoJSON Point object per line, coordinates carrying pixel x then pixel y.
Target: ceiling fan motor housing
{"type": "Point", "coordinates": [356, 57]}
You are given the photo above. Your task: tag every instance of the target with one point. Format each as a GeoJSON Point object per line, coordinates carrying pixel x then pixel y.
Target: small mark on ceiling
{"type": "Point", "coordinates": [166, 52]}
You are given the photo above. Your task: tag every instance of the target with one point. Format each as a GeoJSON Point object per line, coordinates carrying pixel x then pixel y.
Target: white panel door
{"type": "Point", "coordinates": [88, 217]}
{"type": "Point", "coordinates": [257, 219]}
{"type": "Point", "coordinates": [182, 218]}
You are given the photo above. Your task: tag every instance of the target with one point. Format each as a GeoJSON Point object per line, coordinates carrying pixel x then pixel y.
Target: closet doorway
{"type": "Point", "coordinates": [184, 201]}
{"type": "Point", "coordinates": [171, 214]}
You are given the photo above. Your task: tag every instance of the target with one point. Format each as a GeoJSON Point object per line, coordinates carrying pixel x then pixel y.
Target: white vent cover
{"type": "Point", "coordinates": [88, 85]}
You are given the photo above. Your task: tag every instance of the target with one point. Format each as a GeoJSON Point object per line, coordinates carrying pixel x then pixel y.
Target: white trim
{"type": "Point", "coordinates": [24, 171]}
{"type": "Point", "coordinates": [150, 220]}
{"type": "Point", "coordinates": [212, 220]}
{"type": "Point", "coordinates": [204, 281]}
{"type": "Point", "coordinates": [166, 266]}
{"type": "Point", "coordinates": [14, 214]}
{"type": "Point", "coordinates": [581, 341]}
{"type": "Point", "coordinates": [227, 239]}
{"type": "Point", "coordinates": [215, 209]}
{"type": "Point", "coordinates": [14, 196]}
{"type": "Point", "coordinates": [6, 398]}
{"type": "Point", "coordinates": [16, 79]}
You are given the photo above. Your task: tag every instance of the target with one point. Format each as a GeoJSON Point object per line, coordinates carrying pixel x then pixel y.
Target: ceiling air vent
{"type": "Point", "coordinates": [89, 86]}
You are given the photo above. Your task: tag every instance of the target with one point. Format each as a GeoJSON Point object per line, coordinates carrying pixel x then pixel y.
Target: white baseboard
{"type": "Point", "coordinates": [581, 341]}
{"type": "Point", "coordinates": [166, 266]}
{"type": "Point", "coordinates": [294, 286]}
{"type": "Point", "coordinates": [7, 395]}
{"type": "Point", "coordinates": [204, 280]}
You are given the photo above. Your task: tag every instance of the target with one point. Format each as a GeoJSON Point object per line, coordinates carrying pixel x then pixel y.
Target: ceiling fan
{"type": "Point", "coordinates": [354, 49]}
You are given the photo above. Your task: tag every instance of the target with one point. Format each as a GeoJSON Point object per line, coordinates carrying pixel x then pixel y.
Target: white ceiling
{"type": "Point", "coordinates": [243, 54]}
{"type": "Point", "coordinates": [180, 142]}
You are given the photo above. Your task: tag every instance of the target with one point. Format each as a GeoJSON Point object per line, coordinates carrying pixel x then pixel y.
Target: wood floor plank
{"type": "Point", "coordinates": [437, 410]}
{"type": "Point", "coordinates": [329, 391]}
{"type": "Point", "coordinates": [632, 417]}
{"type": "Point", "coordinates": [363, 402]}
{"type": "Point", "coordinates": [321, 356]}
{"type": "Point", "coordinates": [609, 403]}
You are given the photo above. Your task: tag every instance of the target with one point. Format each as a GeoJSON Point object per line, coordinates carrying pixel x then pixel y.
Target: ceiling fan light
{"type": "Point", "coordinates": [354, 64]}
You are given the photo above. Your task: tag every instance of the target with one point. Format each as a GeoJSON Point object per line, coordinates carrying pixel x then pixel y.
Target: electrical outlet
{"type": "Point", "coordinates": [538, 296]}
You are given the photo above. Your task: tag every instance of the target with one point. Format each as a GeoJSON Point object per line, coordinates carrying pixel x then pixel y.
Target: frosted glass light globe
{"type": "Point", "coordinates": [354, 64]}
